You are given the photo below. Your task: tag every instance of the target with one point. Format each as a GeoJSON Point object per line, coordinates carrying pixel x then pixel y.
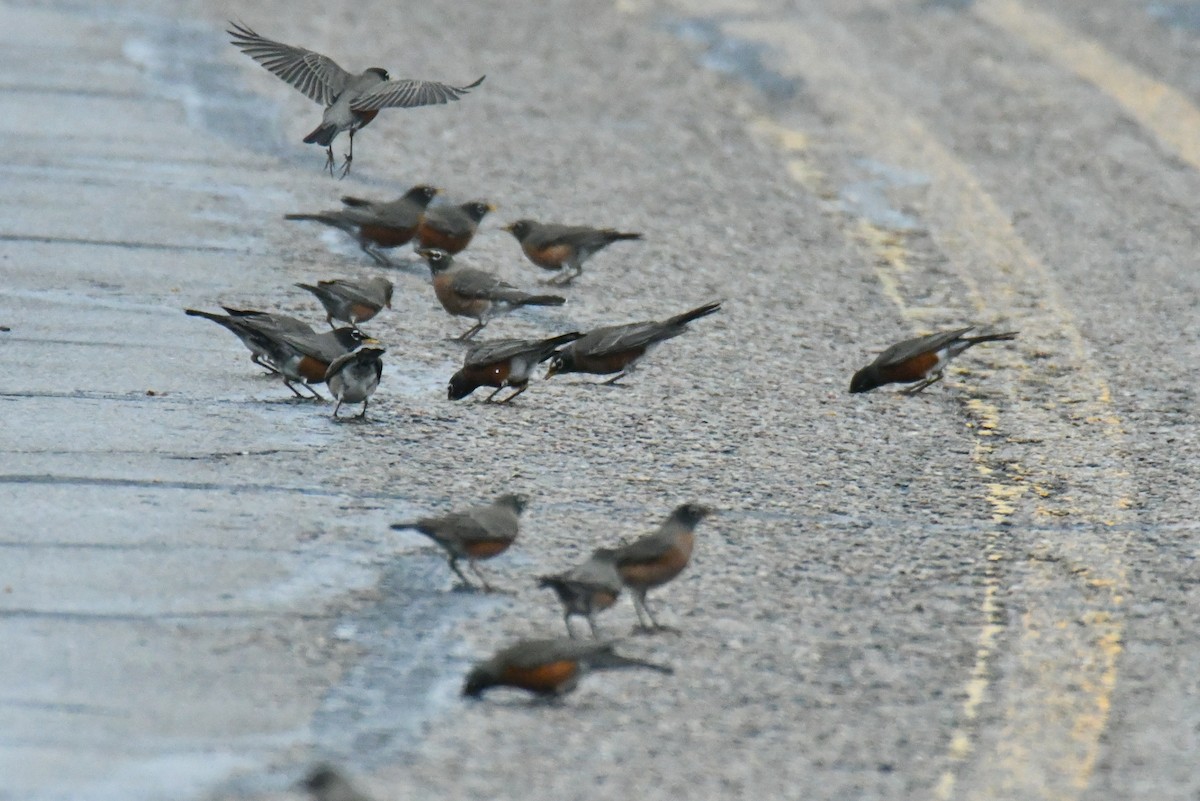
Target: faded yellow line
{"type": "Point", "coordinates": [1166, 112]}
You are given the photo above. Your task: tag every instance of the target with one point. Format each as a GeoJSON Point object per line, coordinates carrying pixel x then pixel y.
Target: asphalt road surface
{"type": "Point", "coordinates": [987, 591]}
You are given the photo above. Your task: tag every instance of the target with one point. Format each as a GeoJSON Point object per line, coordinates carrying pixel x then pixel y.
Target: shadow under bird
{"type": "Point", "coordinates": [588, 588]}
{"type": "Point", "coordinates": [351, 101]}
{"type": "Point", "coordinates": [352, 301]}
{"type": "Point", "coordinates": [327, 783]}
{"type": "Point", "coordinates": [353, 377]}
{"type": "Point", "coordinates": [466, 292]}
{"type": "Point", "coordinates": [549, 668]}
{"type": "Point", "coordinates": [617, 348]}
{"type": "Point", "coordinates": [565, 248]}
{"type": "Point", "coordinates": [474, 534]}
{"type": "Point", "coordinates": [920, 360]}
{"type": "Point", "coordinates": [657, 558]}
{"type": "Point", "coordinates": [504, 363]}
{"type": "Point", "coordinates": [376, 225]}
{"type": "Point", "coordinates": [235, 320]}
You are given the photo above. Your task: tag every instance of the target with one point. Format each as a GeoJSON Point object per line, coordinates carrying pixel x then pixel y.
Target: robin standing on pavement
{"type": "Point", "coordinates": [352, 301]}
{"type": "Point", "coordinates": [548, 668]}
{"type": "Point", "coordinates": [235, 320]}
{"type": "Point", "coordinates": [617, 348]}
{"type": "Point", "coordinates": [351, 101]}
{"type": "Point", "coordinates": [504, 363]}
{"type": "Point", "coordinates": [587, 589]}
{"type": "Point", "coordinates": [466, 292]}
{"type": "Point", "coordinates": [921, 360]}
{"type": "Point", "coordinates": [480, 532]}
{"type": "Point", "coordinates": [376, 225]}
{"type": "Point", "coordinates": [657, 558]}
{"type": "Point", "coordinates": [353, 377]}
{"type": "Point", "coordinates": [451, 228]}
{"type": "Point", "coordinates": [563, 247]}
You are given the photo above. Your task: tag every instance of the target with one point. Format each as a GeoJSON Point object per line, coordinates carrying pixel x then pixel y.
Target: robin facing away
{"type": "Point", "coordinates": [921, 360]}
{"type": "Point", "coordinates": [326, 783]}
{"type": "Point", "coordinates": [234, 320]}
{"type": "Point", "coordinates": [655, 559]}
{"type": "Point", "coordinates": [617, 348]}
{"type": "Point", "coordinates": [451, 228]}
{"type": "Point", "coordinates": [480, 532]}
{"type": "Point", "coordinates": [353, 377]}
{"type": "Point", "coordinates": [548, 668]}
{"type": "Point", "coordinates": [504, 363]}
{"type": "Point", "coordinates": [352, 301]}
{"type": "Point", "coordinates": [563, 247]}
{"type": "Point", "coordinates": [376, 225]}
{"type": "Point", "coordinates": [351, 101]}
{"type": "Point", "coordinates": [588, 588]}
{"type": "Point", "coordinates": [467, 292]}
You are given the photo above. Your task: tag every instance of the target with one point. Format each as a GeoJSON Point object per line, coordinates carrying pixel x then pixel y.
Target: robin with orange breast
{"type": "Point", "coordinates": [481, 532]}
{"type": "Point", "coordinates": [563, 247]}
{"type": "Point", "coordinates": [919, 360]}
{"type": "Point", "coordinates": [376, 225]}
{"type": "Point", "coordinates": [657, 558]}
{"type": "Point", "coordinates": [587, 589]}
{"type": "Point", "coordinates": [466, 292]}
{"type": "Point", "coordinates": [451, 228]}
{"type": "Point", "coordinates": [352, 301]}
{"type": "Point", "coordinates": [617, 348]}
{"type": "Point", "coordinates": [353, 377]}
{"type": "Point", "coordinates": [234, 320]}
{"type": "Point", "coordinates": [549, 668]}
{"type": "Point", "coordinates": [351, 101]}
{"type": "Point", "coordinates": [504, 363]}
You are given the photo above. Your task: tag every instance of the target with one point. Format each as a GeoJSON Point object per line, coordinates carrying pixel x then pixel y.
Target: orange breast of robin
{"type": "Point", "coordinates": [545, 678]}
{"type": "Point", "coordinates": [433, 238]}
{"type": "Point", "coordinates": [551, 257]}
{"type": "Point", "coordinates": [913, 368]}
{"type": "Point", "coordinates": [654, 572]}
{"type": "Point", "coordinates": [609, 362]}
{"type": "Point", "coordinates": [362, 312]}
{"type": "Point", "coordinates": [312, 370]}
{"type": "Point", "coordinates": [488, 375]}
{"type": "Point", "coordinates": [453, 302]}
{"type": "Point", "coordinates": [486, 549]}
{"type": "Point", "coordinates": [386, 236]}
{"type": "Point", "coordinates": [603, 599]}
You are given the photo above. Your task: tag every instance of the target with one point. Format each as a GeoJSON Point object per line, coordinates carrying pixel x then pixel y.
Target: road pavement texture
{"type": "Point", "coordinates": [986, 591]}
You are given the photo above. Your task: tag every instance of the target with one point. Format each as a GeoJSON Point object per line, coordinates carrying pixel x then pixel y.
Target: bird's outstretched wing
{"type": "Point", "coordinates": [318, 77]}
{"type": "Point", "coordinates": [408, 93]}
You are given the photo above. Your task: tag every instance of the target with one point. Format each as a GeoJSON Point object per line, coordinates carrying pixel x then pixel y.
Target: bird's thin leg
{"type": "Point", "coordinates": [363, 414]}
{"type": "Point", "coordinates": [515, 394]}
{"type": "Point", "coordinates": [270, 368]}
{"type": "Point", "coordinates": [338, 406]}
{"type": "Point", "coordinates": [612, 382]}
{"type": "Point", "coordinates": [567, 621]}
{"type": "Point", "coordinates": [475, 569]}
{"type": "Point", "coordinates": [472, 331]}
{"type": "Point", "coordinates": [913, 390]}
{"type": "Point", "coordinates": [639, 606]}
{"type": "Point", "coordinates": [591, 619]}
{"type": "Point", "coordinates": [488, 399]}
{"type": "Point", "coordinates": [458, 572]}
{"type": "Point", "coordinates": [349, 157]}
{"type": "Point", "coordinates": [287, 383]}
{"type": "Point", "coordinates": [329, 159]}
{"type": "Point", "coordinates": [380, 259]}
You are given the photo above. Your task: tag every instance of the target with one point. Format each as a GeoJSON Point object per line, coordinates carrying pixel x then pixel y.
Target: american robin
{"type": "Point", "coordinates": [351, 101]}
{"type": "Point", "coordinates": [617, 348]}
{"type": "Point", "coordinates": [352, 301]}
{"type": "Point", "coordinates": [234, 320]}
{"type": "Point", "coordinates": [588, 588]}
{"type": "Point", "coordinates": [549, 668]}
{"type": "Point", "coordinates": [504, 363]}
{"type": "Point", "coordinates": [326, 783]}
{"type": "Point", "coordinates": [480, 532]}
{"type": "Point", "coordinates": [563, 247]}
{"type": "Point", "coordinates": [655, 559]}
{"type": "Point", "coordinates": [921, 360]}
{"type": "Point", "coordinates": [467, 292]}
{"type": "Point", "coordinates": [451, 228]}
{"type": "Point", "coordinates": [376, 225]}
{"type": "Point", "coordinates": [353, 377]}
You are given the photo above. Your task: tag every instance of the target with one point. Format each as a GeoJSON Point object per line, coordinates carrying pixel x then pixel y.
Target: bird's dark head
{"type": "Point", "coordinates": [561, 362]}
{"type": "Point", "coordinates": [520, 229]}
{"type": "Point", "coordinates": [479, 679]}
{"type": "Point", "coordinates": [321, 778]}
{"type": "Point", "coordinates": [437, 259]}
{"type": "Point", "coordinates": [691, 513]}
{"type": "Point", "coordinates": [512, 501]}
{"type": "Point", "coordinates": [460, 386]}
{"type": "Point", "coordinates": [422, 194]}
{"type": "Point", "coordinates": [477, 209]}
{"type": "Point", "coordinates": [350, 338]}
{"type": "Point", "coordinates": [381, 72]}
{"type": "Point", "coordinates": [864, 380]}
{"type": "Point", "coordinates": [370, 350]}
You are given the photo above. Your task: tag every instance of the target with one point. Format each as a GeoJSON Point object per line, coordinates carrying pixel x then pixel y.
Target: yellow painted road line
{"type": "Point", "coordinates": [1168, 113]}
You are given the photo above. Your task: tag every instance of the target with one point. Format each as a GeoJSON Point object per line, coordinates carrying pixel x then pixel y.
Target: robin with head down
{"type": "Point", "coordinates": [563, 247]}
{"type": "Point", "coordinates": [549, 668]}
{"type": "Point", "coordinates": [504, 363]}
{"type": "Point", "coordinates": [375, 225]}
{"type": "Point", "coordinates": [587, 589]}
{"type": "Point", "coordinates": [235, 320]}
{"type": "Point", "coordinates": [657, 558]}
{"type": "Point", "coordinates": [451, 228]}
{"type": "Point", "coordinates": [919, 360]}
{"type": "Point", "coordinates": [351, 101]}
{"type": "Point", "coordinates": [466, 292]}
{"type": "Point", "coordinates": [353, 377]}
{"type": "Point", "coordinates": [617, 348]}
{"type": "Point", "coordinates": [352, 301]}
{"type": "Point", "coordinates": [481, 532]}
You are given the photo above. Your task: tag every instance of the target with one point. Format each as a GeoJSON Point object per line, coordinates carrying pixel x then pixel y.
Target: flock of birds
{"type": "Point", "coordinates": [349, 362]}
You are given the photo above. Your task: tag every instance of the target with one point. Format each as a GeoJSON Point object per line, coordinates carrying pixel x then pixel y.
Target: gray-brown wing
{"type": "Point", "coordinates": [473, 283]}
{"type": "Point", "coordinates": [372, 292]}
{"type": "Point", "coordinates": [496, 522]}
{"type": "Point", "coordinates": [905, 350]}
{"type": "Point", "coordinates": [318, 77]}
{"type": "Point", "coordinates": [618, 338]}
{"type": "Point", "coordinates": [649, 547]}
{"type": "Point", "coordinates": [531, 653]}
{"type": "Point", "coordinates": [409, 93]}
{"type": "Point", "coordinates": [497, 350]}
